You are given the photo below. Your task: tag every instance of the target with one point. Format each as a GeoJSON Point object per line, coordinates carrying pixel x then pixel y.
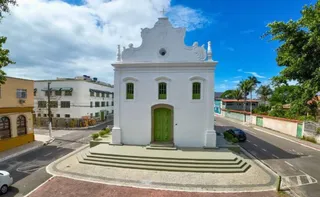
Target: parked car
{"type": "Point", "coordinates": [5, 181]}
{"type": "Point", "coordinates": [239, 134]}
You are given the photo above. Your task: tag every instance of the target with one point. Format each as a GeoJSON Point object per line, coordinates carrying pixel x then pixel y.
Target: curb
{"type": "Point", "coordinates": [263, 165]}
{"type": "Point", "coordinates": [21, 152]}
{"type": "Point", "coordinates": [49, 179]}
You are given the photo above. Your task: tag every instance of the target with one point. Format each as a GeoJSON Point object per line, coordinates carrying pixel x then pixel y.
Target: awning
{"type": "Point", "coordinates": [100, 91]}
{"type": "Point", "coordinates": [58, 89]}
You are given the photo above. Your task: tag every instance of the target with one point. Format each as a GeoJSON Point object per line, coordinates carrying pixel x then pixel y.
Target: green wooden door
{"type": "Point", "coordinates": [162, 125]}
{"type": "Point", "coordinates": [259, 121]}
{"type": "Point", "coordinates": [102, 115]}
{"type": "Point", "coordinates": [299, 131]}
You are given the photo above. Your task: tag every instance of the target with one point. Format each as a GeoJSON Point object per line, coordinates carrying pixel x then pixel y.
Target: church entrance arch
{"type": "Point", "coordinates": [162, 123]}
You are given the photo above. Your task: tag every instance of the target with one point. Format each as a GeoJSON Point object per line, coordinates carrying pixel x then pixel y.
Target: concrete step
{"type": "Point", "coordinates": [161, 148]}
{"type": "Point", "coordinates": [158, 144]}
{"type": "Point", "coordinates": [166, 158]}
{"type": "Point", "coordinates": [157, 160]}
{"type": "Point", "coordinates": [240, 169]}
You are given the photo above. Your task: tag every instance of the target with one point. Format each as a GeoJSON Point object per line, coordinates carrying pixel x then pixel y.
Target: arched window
{"type": "Point", "coordinates": [196, 90]}
{"type": "Point", "coordinates": [21, 125]}
{"type": "Point", "coordinates": [162, 90]}
{"type": "Point", "coordinates": [130, 91]}
{"type": "Point", "coordinates": [5, 131]}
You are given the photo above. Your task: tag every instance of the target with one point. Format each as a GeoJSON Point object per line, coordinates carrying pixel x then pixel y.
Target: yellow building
{"type": "Point", "coordinates": [16, 106]}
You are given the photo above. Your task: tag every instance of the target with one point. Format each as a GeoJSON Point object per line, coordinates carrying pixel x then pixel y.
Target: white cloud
{"type": "Point", "coordinates": [248, 31]}
{"type": "Point", "coordinates": [239, 70]}
{"type": "Point", "coordinates": [236, 81]}
{"type": "Point", "coordinates": [225, 80]}
{"type": "Point", "coordinates": [51, 39]}
{"type": "Point", "coordinates": [255, 74]}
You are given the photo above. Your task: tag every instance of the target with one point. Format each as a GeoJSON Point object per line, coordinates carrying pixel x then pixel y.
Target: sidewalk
{"type": "Point", "coordinates": [278, 134]}
{"type": "Point", "coordinates": [74, 128]}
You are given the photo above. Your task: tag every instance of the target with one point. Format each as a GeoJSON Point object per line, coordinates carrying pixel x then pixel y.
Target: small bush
{"type": "Point", "coordinates": [310, 139]}
{"type": "Point", "coordinates": [234, 140]}
{"type": "Point", "coordinates": [107, 130]}
{"type": "Point", "coordinates": [95, 136]}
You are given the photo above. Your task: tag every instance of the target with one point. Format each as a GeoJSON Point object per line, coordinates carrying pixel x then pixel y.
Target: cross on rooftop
{"type": "Point", "coordinates": [163, 12]}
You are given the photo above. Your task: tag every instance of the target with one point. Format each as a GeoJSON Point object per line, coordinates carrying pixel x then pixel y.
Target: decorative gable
{"type": "Point", "coordinates": [163, 43]}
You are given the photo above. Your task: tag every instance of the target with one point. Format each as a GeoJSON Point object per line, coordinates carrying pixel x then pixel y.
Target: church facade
{"type": "Point", "coordinates": [164, 90]}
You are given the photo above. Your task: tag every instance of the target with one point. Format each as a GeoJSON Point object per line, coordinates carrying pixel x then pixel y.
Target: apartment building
{"type": "Point", "coordinates": [16, 120]}
{"type": "Point", "coordinates": [74, 98]}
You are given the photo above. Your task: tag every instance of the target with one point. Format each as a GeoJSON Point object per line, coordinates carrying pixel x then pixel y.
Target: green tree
{"type": "Point", "coordinates": [245, 86]}
{"type": "Point", "coordinates": [264, 93]}
{"type": "Point", "coordinates": [228, 94]}
{"type": "Point", "coordinates": [4, 53]}
{"type": "Point", "coordinates": [299, 53]}
{"type": "Point", "coordinates": [254, 82]}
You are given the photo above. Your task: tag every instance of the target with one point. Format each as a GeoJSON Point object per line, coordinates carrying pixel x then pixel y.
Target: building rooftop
{"type": "Point", "coordinates": [79, 78]}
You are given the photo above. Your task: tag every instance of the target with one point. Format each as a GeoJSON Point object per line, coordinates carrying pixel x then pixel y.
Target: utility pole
{"type": "Point", "coordinates": [49, 111]}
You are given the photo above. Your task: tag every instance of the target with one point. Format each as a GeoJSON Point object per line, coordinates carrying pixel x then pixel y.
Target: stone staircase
{"type": "Point", "coordinates": [173, 161]}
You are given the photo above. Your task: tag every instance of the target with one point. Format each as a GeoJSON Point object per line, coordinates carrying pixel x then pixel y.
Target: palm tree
{"type": "Point", "coordinates": [264, 92]}
{"type": "Point", "coordinates": [237, 94]}
{"type": "Point", "coordinates": [254, 82]}
{"type": "Point", "coordinates": [227, 94]}
{"type": "Point", "coordinates": [245, 86]}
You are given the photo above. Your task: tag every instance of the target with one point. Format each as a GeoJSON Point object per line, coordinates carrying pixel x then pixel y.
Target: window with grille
{"type": "Point", "coordinates": [92, 93]}
{"type": "Point", "coordinates": [68, 93]}
{"type": "Point", "coordinates": [5, 130]}
{"type": "Point", "coordinates": [103, 104]}
{"type": "Point", "coordinates": [112, 103]}
{"type": "Point", "coordinates": [54, 104]}
{"type": "Point", "coordinates": [65, 104]}
{"type": "Point", "coordinates": [21, 125]}
{"type": "Point", "coordinates": [196, 90]}
{"type": "Point", "coordinates": [97, 104]}
{"type": "Point", "coordinates": [91, 104]}
{"type": "Point", "coordinates": [130, 91]}
{"type": "Point", "coordinates": [97, 94]}
{"type": "Point", "coordinates": [162, 90]}
{"type": "Point", "coordinates": [57, 92]}
{"type": "Point", "coordinates": [107, 103]}
{"type": "Point", "coordinates": [39, 115]}
{"type": "Point", "coordinates": [67, 115]}
{"type": "Point", "coordinates": [21, 93]}
{"type": "Point", "coordinates": [102, 94]}
{"type": "Point", "coordinates": [42, 104]}
{"type": "Point", "coordinates": [46, 93]}
{"type": "Point", "coordinates": [96, 114]}
{"type": "Point", "coordinates": [58, 115]}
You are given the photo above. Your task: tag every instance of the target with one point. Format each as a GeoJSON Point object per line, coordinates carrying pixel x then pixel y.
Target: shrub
{"type": "Point", "coordinates": [95, 136]}
{"type": "Point", "coordinates": [107, 130]}
{"type": "Point", "coordinates": [310, 139]}
{"type": "Point", "coordinates": [318, 131]}
{"type": "Point", "coordinates": [234, 140]}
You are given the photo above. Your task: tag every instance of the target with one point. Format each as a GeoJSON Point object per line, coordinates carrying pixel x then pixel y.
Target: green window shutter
{"type": "Point", "coordinates": [162, 90]}
{"type": "Point", "coordinates": [130, 91]}
{"type": "Point", "coordinates": [196, 91]}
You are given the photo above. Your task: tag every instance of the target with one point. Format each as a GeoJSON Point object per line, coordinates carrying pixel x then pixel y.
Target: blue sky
{"type": "Point", "coordinates": [52, 38]}
{"type": "Point", "coordinates": [235, 35]}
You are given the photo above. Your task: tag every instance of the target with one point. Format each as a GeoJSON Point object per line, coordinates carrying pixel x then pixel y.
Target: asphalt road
{"type": "Point", "coordinates": [28, 170]}
{"type": "Point", "coordinates": [299, 166]}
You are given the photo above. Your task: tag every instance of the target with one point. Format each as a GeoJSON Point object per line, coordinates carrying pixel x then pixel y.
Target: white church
{"type": "Point", "coordinates": [164, 90]}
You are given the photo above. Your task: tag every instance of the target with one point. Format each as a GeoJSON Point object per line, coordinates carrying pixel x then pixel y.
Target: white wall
{"type": "Point", "coordinates": [79, 101]}
{"type": "Point", "coordinates": [192, 118]}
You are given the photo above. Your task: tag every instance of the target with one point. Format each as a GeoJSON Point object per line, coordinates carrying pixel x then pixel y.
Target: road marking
{"type": "Point", "coordinates": [288, 163]}
{"type": "Point", "coordinates": [258, 129]}
{"type": "Point", "coordinates": [255, 145]}
{"type": "Point", "coordinates": [47, 154]}
{"type": "Point", "coordinates": [248, 141]}
{"type": "Point", "coordinates": [252, 132]}
{"type": "Point", "coordinates": [264, 150]}
{"type": "Point", "coordinates": [299, 180]}
{"type": "Point", "coordinates": [275, 156]}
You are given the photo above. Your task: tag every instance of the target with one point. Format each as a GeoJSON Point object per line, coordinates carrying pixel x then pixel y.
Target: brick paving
{"type": "Point", "coordinates": [60, 186]}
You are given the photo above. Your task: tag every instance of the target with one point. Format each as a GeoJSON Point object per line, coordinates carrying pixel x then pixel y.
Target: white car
{"type": "Point", "coordinates": [5, 181]}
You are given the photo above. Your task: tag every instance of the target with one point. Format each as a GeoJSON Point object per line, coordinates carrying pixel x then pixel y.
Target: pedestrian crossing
{"type": "Point", "coordinates": [296, 181]}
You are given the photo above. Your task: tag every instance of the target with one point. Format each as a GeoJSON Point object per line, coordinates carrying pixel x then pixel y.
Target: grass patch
{"type": "Point", "coordinates": [310, 139]}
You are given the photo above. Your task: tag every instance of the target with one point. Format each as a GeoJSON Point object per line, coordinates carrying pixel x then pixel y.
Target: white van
{"type": "Point", "coordinates": [5, 181]}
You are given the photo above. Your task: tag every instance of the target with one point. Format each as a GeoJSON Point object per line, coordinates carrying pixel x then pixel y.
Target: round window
{"type": "Point", "coordinates": [162, 52]}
